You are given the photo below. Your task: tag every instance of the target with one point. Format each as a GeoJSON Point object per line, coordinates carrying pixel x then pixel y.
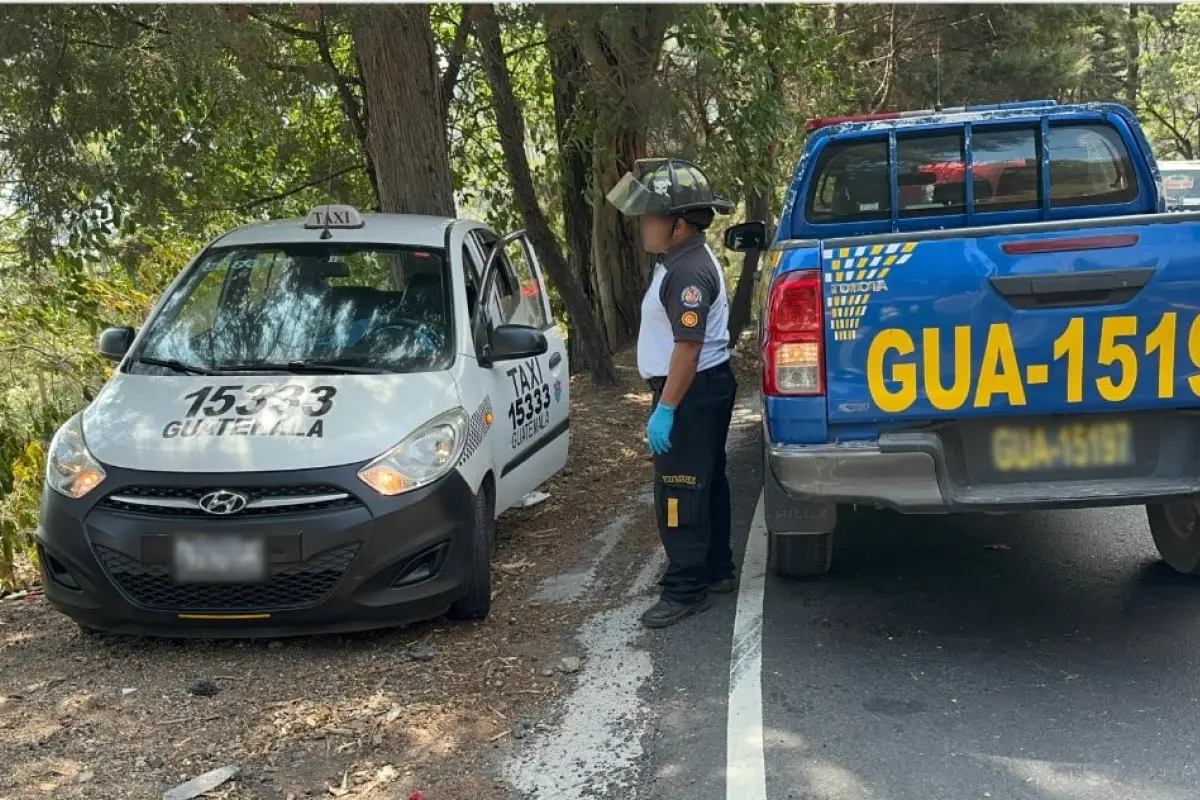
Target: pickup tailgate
{"type": "Point", "coordinates": [1026, 320]}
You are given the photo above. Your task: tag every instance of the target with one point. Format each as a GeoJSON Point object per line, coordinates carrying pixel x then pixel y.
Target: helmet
{"type": "Point", "coordinates": [665, 186]}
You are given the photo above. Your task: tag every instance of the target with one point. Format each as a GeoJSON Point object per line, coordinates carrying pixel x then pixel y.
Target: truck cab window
{"type": "Point", "coordinates": [851, 183]}
{"type": "Point", "coordinates": [1005, 162]}
{"type": "Point", "coordinates": [1089, 165]}
{"type": "Point", "coordinates": [931, 174]}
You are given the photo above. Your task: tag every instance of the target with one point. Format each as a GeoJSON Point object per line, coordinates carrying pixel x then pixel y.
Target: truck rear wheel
{"type": "Point", "coordinates": [799, 555]}
{"type": "Point", "coordinates": [1175, 526]}
{"type": "Point", "coordinates": [477, 603]}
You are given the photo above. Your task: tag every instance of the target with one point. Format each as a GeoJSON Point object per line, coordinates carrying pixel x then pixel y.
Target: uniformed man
{"type": "Point", "coordinates": [683, 352]}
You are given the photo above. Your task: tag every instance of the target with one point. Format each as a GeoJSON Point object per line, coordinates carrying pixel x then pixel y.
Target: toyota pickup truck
{"type": "Point", "coordinates": [984, 309]}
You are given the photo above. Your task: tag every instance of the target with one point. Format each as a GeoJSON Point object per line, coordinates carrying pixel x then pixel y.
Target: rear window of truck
{"type": "Point", "coordinates": [1089, 165]}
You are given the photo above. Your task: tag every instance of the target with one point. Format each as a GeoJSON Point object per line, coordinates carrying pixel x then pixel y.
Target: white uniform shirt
{"type": "Point", "coordinates": [686, 302]}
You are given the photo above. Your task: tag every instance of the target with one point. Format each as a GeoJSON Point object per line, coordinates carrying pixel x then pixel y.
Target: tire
{"type": "Point", "coordinates": [1175, 526]}
{"type": "Point", "coordinates": [799, 556]}
{"type": "Point", "coordinates": [478, 601]}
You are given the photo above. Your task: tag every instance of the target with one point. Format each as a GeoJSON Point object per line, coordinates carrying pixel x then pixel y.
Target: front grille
{"type": "Point", "coordinates": [296, 585]}
{"type": "Point", "coordinates": [183, 501]}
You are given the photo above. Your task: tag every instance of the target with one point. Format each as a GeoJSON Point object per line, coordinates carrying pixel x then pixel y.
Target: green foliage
{"type": "Point", "coordinates": [1169, 95]}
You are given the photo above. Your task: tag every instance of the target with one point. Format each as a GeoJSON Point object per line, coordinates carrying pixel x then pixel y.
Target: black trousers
{"type": "Point", "coordinates": [691, 488]}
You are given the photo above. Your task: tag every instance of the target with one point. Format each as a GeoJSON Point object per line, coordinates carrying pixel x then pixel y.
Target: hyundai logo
{"type": "Point", "coordinates": [223, 502]}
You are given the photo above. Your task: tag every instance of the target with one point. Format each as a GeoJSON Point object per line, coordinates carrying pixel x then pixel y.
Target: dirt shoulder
{"type": "Point", "coordinates": [430, 709]}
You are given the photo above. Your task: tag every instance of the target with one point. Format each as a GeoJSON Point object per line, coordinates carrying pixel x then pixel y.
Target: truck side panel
{"type": "Point", "coordinates": [1071, 321]}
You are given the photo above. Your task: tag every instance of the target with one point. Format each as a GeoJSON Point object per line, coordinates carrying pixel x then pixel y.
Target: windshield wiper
{"type": "Point", "coordinates": [332, 367]}
{"type": "Point", "coordinates": [173, 364]}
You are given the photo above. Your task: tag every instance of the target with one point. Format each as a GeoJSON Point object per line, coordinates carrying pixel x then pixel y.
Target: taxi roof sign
{"type": "Point", "coordinates": [334, 216]}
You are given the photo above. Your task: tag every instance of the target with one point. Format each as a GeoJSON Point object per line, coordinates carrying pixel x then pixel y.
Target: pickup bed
{"type": "Point", "coordinates": [1027, 338]}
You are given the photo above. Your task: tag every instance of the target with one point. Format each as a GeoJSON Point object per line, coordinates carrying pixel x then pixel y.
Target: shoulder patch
{"type": "Point", "coordinates": [689, 319]}
{"type": "Point", "coordinates": [691, 296]}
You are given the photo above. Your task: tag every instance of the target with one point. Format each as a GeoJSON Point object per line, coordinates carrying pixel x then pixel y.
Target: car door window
{"type": "Point", "coordinates": [517, 290]}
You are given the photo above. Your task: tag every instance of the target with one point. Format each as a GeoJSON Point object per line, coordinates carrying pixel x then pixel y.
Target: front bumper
{"type": "Point", "coordinates": [926, 472]}
{"type": "Point", "coordinates": [365, 562]}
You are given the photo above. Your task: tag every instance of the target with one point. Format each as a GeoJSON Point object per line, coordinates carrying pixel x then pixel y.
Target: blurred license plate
{"type": "Point", "coordinates": [1065, 446]}
{"type": "Point", "coordinates": [219, 559]}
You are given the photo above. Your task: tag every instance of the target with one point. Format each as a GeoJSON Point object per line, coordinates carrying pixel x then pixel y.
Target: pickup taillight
{"type": "Point", "coordinates": [794, 354]}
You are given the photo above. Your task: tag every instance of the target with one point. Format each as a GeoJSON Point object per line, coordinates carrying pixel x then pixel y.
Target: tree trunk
{"type": "Point", "coordinates": [407, 141]}
{"type": "Point", "coordinates": [511, 125]}
{"type": "Point", "coordinates": [622, 45]}
{"type": "Point", "coordinates": [621, 265]}
{"type": "Point", "coordinates": [566, 65]}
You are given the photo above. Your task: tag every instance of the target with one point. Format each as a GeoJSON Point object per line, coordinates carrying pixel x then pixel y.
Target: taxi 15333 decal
{"type": "Point", "coordinates": [529, 411]}
{"type": "Point", "coordinates": [955, 371]}
{"type": "Point", "coordinates": [237, 410]}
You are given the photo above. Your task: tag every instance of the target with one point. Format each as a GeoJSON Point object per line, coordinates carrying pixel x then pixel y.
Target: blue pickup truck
{"type": "Point", "coordinates": [984, 309]}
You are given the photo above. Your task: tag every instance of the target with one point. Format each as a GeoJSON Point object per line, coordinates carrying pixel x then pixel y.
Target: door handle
{"type": "Point", "coordinates": [555, 360]}
{"type": "Point", "coordinates": [1067, 290]}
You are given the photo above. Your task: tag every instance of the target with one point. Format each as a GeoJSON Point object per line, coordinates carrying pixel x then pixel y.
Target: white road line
{"type": "Point", "coordinates": [746, 773]}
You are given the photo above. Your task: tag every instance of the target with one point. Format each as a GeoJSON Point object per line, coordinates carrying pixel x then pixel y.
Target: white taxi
{"type": "Point", "coordinates": [313, 432]}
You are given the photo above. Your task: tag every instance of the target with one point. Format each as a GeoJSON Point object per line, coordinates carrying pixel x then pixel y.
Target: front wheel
{"type": "Point", "coordinates": [1175, 526]}
{"type": "Point", "coordinates": [799, 556]}
{"type": "Point", "coordinates": [477, 603]}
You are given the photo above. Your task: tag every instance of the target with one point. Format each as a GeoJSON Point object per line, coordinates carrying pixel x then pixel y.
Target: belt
{"type": "Point", "coordinates": [657, 384]}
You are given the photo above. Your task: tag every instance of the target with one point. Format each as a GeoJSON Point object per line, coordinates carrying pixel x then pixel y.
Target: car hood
{"type": "Point", "coordinates": [258, 423]}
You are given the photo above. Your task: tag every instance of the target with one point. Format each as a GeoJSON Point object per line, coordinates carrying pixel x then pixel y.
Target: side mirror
{"type": "Point", "coordinates": [510, 342]}
{"type": "Point", "coordinates": [114, 343]}
{"type": "Point", "coordinates": [746, 237]}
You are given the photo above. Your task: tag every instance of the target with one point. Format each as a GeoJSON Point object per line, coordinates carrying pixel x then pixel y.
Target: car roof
{"type": "Point", "coordinates": [1179, 164]}
{"type": "Point", "coordinates": [401, 229]}
{"type": "Point", "coordinates": [963, 117]}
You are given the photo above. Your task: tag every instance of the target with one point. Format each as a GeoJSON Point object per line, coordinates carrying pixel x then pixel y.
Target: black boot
{"type": "Point", "coordinates": [667, 612]}
{"type": "Point", "coordinates": [723, 586]}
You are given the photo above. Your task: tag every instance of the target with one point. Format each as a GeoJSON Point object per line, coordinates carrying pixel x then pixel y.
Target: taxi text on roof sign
{"type": "Point", "coordinates": [334, 216]}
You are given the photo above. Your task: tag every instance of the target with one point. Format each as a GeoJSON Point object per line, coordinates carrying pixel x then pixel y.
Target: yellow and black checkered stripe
{"type": "Point", "coordinates": [845, 265]}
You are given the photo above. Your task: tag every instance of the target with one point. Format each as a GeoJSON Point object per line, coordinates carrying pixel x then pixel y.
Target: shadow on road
{"type": "Point", "coordinates": [1046, 656]}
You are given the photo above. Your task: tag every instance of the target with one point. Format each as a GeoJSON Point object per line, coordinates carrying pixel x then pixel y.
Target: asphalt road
{"type": "Point", "coordinates": [1044, 656]}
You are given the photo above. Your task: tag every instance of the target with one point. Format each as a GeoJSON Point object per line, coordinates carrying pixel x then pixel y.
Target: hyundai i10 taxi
{"type": "Point", "coordinates": [313, 432]}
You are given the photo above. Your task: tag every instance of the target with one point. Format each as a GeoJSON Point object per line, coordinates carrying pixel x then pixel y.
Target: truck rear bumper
{"type": "Point", "coordinates": [911, 473]}
{"type": "Point", "coordinates": [857, 473]}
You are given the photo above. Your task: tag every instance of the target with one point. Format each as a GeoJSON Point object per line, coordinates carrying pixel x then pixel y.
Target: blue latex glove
{"type": "Point", "coordinates": [658, 429]}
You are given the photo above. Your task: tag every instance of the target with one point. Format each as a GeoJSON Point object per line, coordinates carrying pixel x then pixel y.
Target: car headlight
{"type": "Point", "coordinates": [70, 468]}
{"type": "Point", "coordinates": [425, 455]}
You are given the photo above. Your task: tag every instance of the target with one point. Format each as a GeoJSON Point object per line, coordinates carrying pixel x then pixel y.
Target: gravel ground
{"type": "Point", "coordinates": [428, 712]}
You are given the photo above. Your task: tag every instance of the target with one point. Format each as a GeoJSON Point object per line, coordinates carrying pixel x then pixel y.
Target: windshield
{"type": "Point", "coordinates": [1181, 186]}
{"type": "Point", "coordinates": [357, 307]}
